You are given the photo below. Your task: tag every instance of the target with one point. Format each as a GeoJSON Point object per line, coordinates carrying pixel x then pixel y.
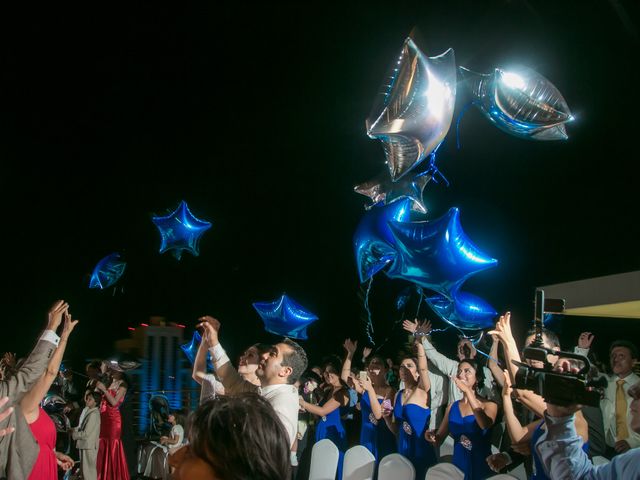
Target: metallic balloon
{"type": "Point", "coordinates": [465, 311]}
{"type": "Point", "coordinates": [191, 349]}
{"type": "Point", "coordinates": [285, 317]}
{"type": "Point", "coordinates": [373, 241]}
{"type": "Point", "coordinates": [412, 113]}
{"type": "Point", "coordinates": [520, 102]}
{"type": "Point", "coordinates": [107, 272]}
{"type": "Point", "coordinates": [181, 231]}
{"type": "Point", "coordinates": [383, 189]}
{"type": "Point", "coordinates": [437, 254]}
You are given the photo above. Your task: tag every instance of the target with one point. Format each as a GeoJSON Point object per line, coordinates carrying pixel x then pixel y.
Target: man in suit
{"type": "Point", "coordinates": [616, 404]}
{"type": "Point", "coordinates": [87, 435]}
{"type": "Point", "coordinates": [14, 465]}
{"type": "Point", "coordinates": [278, 371]}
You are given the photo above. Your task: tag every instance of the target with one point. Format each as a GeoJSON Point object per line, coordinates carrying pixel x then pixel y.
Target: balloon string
{"type": "Point", "coordinates": [369, 327]}
{"type": "Point", "coordinates": [460, 115]}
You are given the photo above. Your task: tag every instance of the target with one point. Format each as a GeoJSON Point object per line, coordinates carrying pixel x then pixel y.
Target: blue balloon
{"type": "Point", "coordinates": [191, 349]}
{"type": "Point", "coordinates": [285, 317]}
{"type": "Point", "coordinates": [373, 241]}
{"type": "Point", "coordinates": [436, 255]}
{"type": "Point", "coordinates": [181, 231]}
{"type": "Point", "coordinates": [107, 272]}
{"type": "Point", "coordinates": [465, 311]}
{"type": "Point", "coordinates": [520, 102]}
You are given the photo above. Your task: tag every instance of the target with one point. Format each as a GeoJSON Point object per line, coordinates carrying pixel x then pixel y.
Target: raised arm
{"type": "Point", "coordinates": [228, 375]}
{"type": "Point", "coordinates": [36, 363]}
{"type": "Point", "coordinates": [423, 369]}
{"type": "Point", "coordinates": [516, 431]}
{"type": "Point", "coordinates": [340, 398]}
{"type": "Point", "coordinates": [200, 362]}
{"type": "Point", "coordinates": [350, 350]}
{"type": "Point", "coordinates": [496, 371]}
{"type": "Point", "coordinates": [442, 363]}
{"type": "Point", "coordinates": [112, 399]}
{"type": "Point", "coordinates": [31, 401]}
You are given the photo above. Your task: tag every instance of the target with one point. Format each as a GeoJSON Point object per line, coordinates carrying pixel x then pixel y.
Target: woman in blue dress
{"type": "Point", "coordinates": [334, 402]}
{"type": "Point", "coordinates": [533, 431]}
{"type": "Point", "coordinates": [469, 421]}
{"type": "Point", "coordinates": [411, 413]}
{"type": "Point", "coordinates": [375, 395]}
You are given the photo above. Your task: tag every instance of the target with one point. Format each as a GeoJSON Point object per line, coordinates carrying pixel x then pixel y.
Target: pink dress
{"type": "Point", "coordinates": [112, 464]}
{"type": "Point", "coordinates": [44, 431]}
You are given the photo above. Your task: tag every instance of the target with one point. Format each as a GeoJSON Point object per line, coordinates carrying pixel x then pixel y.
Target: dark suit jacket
{"type": "Point", "coordinates": [19, 450]}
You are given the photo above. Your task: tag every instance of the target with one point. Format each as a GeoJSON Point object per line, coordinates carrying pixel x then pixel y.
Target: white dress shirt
{"type": "Point", "coordinates": [608, 407]}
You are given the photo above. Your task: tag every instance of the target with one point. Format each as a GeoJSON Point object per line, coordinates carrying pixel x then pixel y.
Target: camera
{"type": "Point", "coordinates": [559, 388]}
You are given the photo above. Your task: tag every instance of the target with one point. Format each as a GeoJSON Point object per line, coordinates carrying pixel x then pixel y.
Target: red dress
{"type": "Point", "coordinates": [44, 431]}
{"type": "Point", "coordinates": [112, 464]}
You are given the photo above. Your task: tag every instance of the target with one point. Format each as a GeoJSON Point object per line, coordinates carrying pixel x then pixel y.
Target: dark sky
{"type": "Point", "coordinates": [255, 116]}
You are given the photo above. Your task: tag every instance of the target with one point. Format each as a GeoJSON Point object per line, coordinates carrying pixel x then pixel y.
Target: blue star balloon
{"type": "Point", "coordinates": [180, 231]}
{"type": "Point", "coordinates": [191, 349]}
{"type": "Point", "coordinates": [373, 241]}
{"type": "Point", "coordinates": [520, 102]}
{"type": "Point", "coordinates": [436, 255]}
{"type": "Point", "coordinates": [465, 311]}
{"type": "Point", "coordinates": [107, 272]}
{"type": "Point", "coordinates": [285, 317]}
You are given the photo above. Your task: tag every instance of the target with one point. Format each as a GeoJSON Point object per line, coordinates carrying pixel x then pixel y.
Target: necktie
{"type": "Point", "coordinates": [622, 431]}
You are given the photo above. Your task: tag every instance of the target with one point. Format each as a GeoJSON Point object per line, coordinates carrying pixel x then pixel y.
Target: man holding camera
{"type": "Point", "coordinates": [560, 448]}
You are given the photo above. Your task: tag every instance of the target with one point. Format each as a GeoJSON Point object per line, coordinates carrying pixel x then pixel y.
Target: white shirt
{"type": "Point", "coordinates": [284, 400]}
{"type": "Point", "coordinates": [608, 407]}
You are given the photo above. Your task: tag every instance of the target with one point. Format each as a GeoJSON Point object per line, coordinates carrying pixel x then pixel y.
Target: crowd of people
{"type": "Point", "coordinates": [261, 418]}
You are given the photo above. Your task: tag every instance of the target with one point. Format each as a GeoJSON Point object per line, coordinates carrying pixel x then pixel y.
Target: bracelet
{"type": "Point", "coordinates": [419, 334]}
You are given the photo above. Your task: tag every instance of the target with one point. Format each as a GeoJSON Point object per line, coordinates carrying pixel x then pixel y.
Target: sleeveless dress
{"type": "Point", "coordinates": [44, 431]}
{"type": "Point", "coordinates": [374, 434]}
{"type": "Point", "coordinates": [331, 427]}
{"type": "Point", "coordinates": [538, 469]}
{"type": "Point", "coordinates": [413, 421]}
{"type": "Point", "coordinates": [472, 444]}
{"type": "Point", "coordinates": [112, 464]}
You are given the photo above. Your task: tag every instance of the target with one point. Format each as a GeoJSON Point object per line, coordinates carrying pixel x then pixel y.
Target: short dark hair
{"type": "Point", "coordinates": [97, 396]}
{"type": "Point", "coordinates": [626, 344]}
{"type": "Point", "coordinates": [241, 438]}
{"type": "Point", "coordinates": [296, 359]}
{"type": "Point", "coordinates": [551, 336]}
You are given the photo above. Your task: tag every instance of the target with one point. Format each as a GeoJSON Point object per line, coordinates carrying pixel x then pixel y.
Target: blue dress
{"type": "Point", "coordinates": [374, 434]}
{"type": "Point", "coordinates": [331, 427]}
{"type": "Point", "coordinates": [413, 421]}
{"type": "Point", "coordinates": [538, 469]}
{"type": "Point", "coordinates": [472, 444]}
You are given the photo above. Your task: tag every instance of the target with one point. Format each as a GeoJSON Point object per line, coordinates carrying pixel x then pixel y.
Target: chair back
{"type": "Point", "coordinates": [444, 471]}
{"type": "Point", "coordinates": [396, 467]}
{"type": "Point", "coordinates": [359, 464]}
{"type": "Point", "coordinates": [324, 460]}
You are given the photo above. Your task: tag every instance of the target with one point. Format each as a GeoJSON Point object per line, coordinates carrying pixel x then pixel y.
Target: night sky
{"type": "Point", "coordinates": [255, 116]}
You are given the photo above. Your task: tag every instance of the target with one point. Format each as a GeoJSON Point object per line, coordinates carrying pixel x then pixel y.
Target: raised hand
{"type": "Point", "coordinates": [366, 351]}
{"type": "Point", "coordinates": [503, 329]}
{"type": "Point", "coordinates": [55, 314]}
{"type": "Point", "coordinates": [211, 328]}
{"type": "Point", "coordinates": [410, 326]}
{"type": "Point", "coordinates": [69, 325]}
{"type": "Point", "coordinates": [350, 347]}
{"type": "Point", "coordinates": [585, 340]}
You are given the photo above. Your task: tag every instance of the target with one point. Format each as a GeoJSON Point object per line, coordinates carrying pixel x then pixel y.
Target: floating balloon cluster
{"type": "Point", "coordinates": [411, 116]}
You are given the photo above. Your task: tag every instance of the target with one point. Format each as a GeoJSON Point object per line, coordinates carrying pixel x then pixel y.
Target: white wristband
{"type": "Point", "coordinates": [218, 355]}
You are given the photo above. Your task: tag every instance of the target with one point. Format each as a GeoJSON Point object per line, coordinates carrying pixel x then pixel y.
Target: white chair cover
{"type": "Point", "coordinates": [444, 471]}
{"type": "Point", "coordinates": [519, 472]}
{"type": "Point", "coordinates": [396, 467]}
{"type": "Point", "coordinates": [324, 460]}
{"type": "Point", "coordinates": [446, 450]}
{"type": "Point", "coordinates": [359, 464]}
{"type": "Point", "coordinates": [598, 460]}
{"type": "Point", "coordinates": [502, 476]}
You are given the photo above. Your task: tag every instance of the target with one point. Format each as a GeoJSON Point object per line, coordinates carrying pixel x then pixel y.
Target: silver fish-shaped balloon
{"type": "Point", "coordinates": [413, 111]}
{"type": "Point", "coordinates": [520, 102]}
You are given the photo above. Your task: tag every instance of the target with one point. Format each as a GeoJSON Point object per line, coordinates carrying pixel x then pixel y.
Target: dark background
{"type": "Point", "coordinates": [254, 114]}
